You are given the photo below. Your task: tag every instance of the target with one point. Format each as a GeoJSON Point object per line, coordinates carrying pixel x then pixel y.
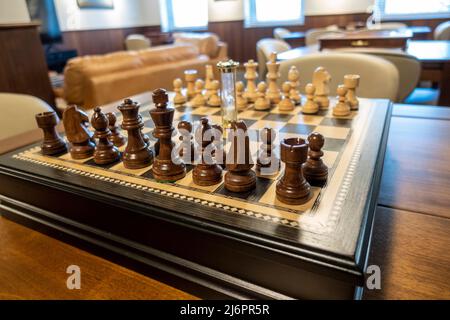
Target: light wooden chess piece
{"type": "Point", "coordinates": [321, 81]}
{"type": "Point", "coordinates": [209, 78]}
{"type": "Point", "coordinates": [351, 82]}
{"type": "Point", "coordinates": [199, 100]}
{"type": "Point", "coordinates": [293, 77]}
{"type": "Point", "coordinates": [179, 98]}
{"type": "Point", "coordinates": [214, 99]}
{"type": "Point", "coordinates": [262, 103]}
{"type": "Point", "coordinates": [286, 104]}
{"type": "Point", "coordinates": [250, 75]}
{"type": "Point", "coordinates": [273, 92]}
{"type": "Point", "coordinates": [342, 108]}
{"type": "Point", "coordinates": [310, 106]}
{"type": "Point", "coordinates": [189, 77]}
{"type": "Point", "coordinates": [241, 100]}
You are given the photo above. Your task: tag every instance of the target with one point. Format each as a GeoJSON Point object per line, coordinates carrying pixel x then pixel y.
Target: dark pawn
{"type": "Point", "coordinates": [240, 176]}
{"type": "Point", "coordinates": [53, 143]}
{"type": "Point", "coordinates": [137, 155]}
{"type": "Point", "coordinates": [207, 172]}
{"type": "Point", "coordinates": [267, 158]}
{"type": "Point", "coordinates": [165, 168]}
{"type": "Point", "coordinates": [105, 151]}
{"type": "Point", "coordinates": [116, 137]}
{"type": "Point", "coordinates": [314, 170]}
{"type": "Point", "coordinates": [185, 129]}
{"type": "Point", "coordinates": [292, 188]}
{"type": "Point", "coordinates": [81, 139]}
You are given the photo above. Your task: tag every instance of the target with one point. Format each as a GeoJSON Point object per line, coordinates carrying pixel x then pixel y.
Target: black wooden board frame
{"type": "Point", "coordinates": [212, 259]}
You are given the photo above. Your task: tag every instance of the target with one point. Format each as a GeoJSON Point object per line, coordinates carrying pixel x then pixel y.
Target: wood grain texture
{"type": "Point", "coordinates": [416, 172]}
{"type": "Point", "coordinates": [33, 266]}
{"type": "Point", "coordinates": [412, 252]}
{"type": "Point", "coordinates": [23, 68]}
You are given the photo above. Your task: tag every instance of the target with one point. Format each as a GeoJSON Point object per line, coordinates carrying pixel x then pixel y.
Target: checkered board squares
{"type": "Point", "coordinates": [260, 203]}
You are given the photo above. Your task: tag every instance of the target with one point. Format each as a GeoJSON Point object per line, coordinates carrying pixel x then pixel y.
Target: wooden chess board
{"type": "Point", "coordinates": [333, 227]}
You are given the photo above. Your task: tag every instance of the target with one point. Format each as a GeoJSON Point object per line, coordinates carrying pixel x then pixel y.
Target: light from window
{"type": "Point", "coordinates": [409, 8]}
{"type": "Point", "coordinates": [184, 15]}
{"type": "Point", "coordinates": [269, 12]}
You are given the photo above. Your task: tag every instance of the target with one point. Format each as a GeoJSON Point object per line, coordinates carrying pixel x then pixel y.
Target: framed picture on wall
{"type": "Point", "coordinates": [95, 4]}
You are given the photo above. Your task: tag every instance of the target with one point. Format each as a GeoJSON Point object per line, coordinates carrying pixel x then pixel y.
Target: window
{"type": "Point", "coordinates": [184, 15]}
{"type": "Point", "coordinates": [260, 13]}
{"type": "Point", "coordinates": [414, 9]}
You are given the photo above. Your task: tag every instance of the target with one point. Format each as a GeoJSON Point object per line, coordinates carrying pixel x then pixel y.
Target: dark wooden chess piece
{"type": "Point", "coordinates": [186, 153]}
{"type": "Point", "coordinates": [81, 139]}
{"type": "Point", "coordinates": [137, 154]}
{"type": "Point", "coordinates": [293, 188]}
{"type": "Point", "coordinates": [240, 176]}
{"type": "Point", "coordinates": [53, 143]}
{"type": "Point", "coordinates": [105, 151]}
{"type": "Point", "coordinates": [167, 166]}
{"type": "Point", "coordinates": [314, 170]}
{"type": "Point", "coordinates": [116, 137]}
{"type": "Point", "coordinates": [267, 162]}
{"type": "Point", "coordinates": [207, 172]}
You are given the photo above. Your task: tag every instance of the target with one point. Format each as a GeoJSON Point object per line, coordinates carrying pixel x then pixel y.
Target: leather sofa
{"type": "Point", "coordinates": [95, 80]}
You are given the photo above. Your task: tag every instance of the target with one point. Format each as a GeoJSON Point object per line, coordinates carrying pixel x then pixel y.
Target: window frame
{"type": "Point", "coordinates": [408, 16]}
{"type": "Point", "coordinates": [251, 22]}
{"type": "Point", "coordinates": [168, 22]}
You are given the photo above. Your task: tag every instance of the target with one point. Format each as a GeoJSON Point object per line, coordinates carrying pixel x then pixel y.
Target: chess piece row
{"type": "Point", "coordinates": [198, 92]}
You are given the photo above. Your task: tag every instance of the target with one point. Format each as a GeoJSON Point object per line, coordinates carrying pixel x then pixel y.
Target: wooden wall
{"type": "Point", "coordinates": [241, 41]}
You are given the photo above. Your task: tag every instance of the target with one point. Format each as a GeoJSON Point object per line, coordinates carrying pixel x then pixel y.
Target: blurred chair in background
{"type": "Point", "coordinates": [137, 42]}
{"type": "Point", "coordinates": [379, 77]}
{"type": "Point", "coordinates": [279, 33]}
{"type": "Point", "coordinates": [18, 113]}
{"type": "Point", "coordinates": [442, 31]}
{"type": "Point", "coordinates": [312, 35]}
{"type": "Point", "coordinates": [264, 48]}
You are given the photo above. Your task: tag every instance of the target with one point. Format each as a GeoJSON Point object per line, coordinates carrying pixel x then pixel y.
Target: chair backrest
{"type": "Point", "coordinates": [408, 67]}
{"type": "Point", "coordinates": [388, 26]}
{"type": "Point", "coordinates": [442, 31]}
{"type": "Point", "coordinates": [312, 35]}
{"type": "Point", "coordinates": [279, 33]}
{"type": "Point", "coordinates": [137, 42]}
{"type": "Point", "coordinates": [264, 48]}
{"type": "Point", "coordinates": [379, 78]}
{"type": "Point", "coordinates": [18, 113]}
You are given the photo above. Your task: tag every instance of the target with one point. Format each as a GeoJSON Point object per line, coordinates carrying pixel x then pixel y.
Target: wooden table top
{"type": "Point", "coordinates": [410, 241]}
{"type": "Point", "coordinates": [370, 34]}
{"type": "Point", "coordinates": [424, 50]}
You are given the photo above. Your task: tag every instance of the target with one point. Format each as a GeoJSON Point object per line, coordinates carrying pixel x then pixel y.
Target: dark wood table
{"type": "Point", "coordinates": [367, 38]}
{"type": "Point", "coordinates": [433, 55]}
{"type": "Point", "coordinates": [410, 241]}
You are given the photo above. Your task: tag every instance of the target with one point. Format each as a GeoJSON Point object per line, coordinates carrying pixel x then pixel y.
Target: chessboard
{"type": "Point", "coordinates": [330, 232]}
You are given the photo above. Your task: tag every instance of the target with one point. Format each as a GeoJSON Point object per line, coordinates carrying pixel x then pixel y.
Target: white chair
{"type": "Point", "coordinates": [264, 48]}
{"type": "Point", "coordinates": [18, 113]}
{"type": "Point", "coordinates": [442, 31]}
{"type": "Point", "coordinates": [312, 36]}
{"type": "Point", "coordinates": [279, 33]}
{"type": "Point", "coordinates": [408, 67]}
{"type": "Point", "coordinates": [388, 26]}
{"type": "Point", "coordinates": [379, 77]}
{"type": "Point", "coordinates": [137, 42]}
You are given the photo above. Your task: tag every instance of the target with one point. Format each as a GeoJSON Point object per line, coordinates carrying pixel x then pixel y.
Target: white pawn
{"type": "Point", "coordinates": [241, 100]}
{"type": "Point", "coordinates": [199, 99]}
{"type": "Point", "coordinates": [293, 77]}
{"type": "Point", "coordinates": [179, 98]}
{"type": "Point", "coordinates": [342, 108]}
{"type": "Point", "coordinates": [286, 104]}
{"type": "Point", "coordinates": [214, 99]}
{"type": "Point", "coordinates": [262, 103]}
{"type": "Point", "coordinates": [310, 106]}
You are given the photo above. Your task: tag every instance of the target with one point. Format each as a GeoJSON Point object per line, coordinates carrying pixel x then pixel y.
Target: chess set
{"type": "Point", "coordinates": [135, 182]}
